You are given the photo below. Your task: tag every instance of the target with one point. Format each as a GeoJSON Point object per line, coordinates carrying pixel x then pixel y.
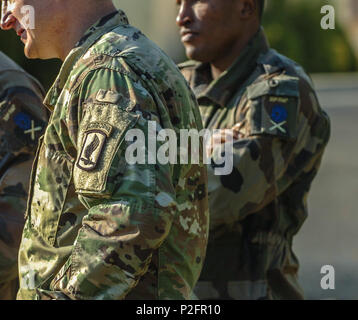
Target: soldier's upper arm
{"type": "Point", "coordinates": [187, 68]}
{"type": "Point", "coordinates": [101, 142]}
{"type": "Point", "coordinates": [22, 120]}
{"type": "Point", "coordinates": [112, 108]}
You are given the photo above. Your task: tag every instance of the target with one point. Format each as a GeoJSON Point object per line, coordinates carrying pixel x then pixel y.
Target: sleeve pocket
{"type": "Point", "coordinates": [274, 107]}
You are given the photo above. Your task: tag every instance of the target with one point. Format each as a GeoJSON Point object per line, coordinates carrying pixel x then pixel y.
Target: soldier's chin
{"type": "Point", "coordinates": [27, 53]}
{"type": "Point", "coordinates": [190, 52]}
{"type": "Point", "coordinates": [29, 50]}
{"type": "Point", "coordinates": [195, 53]}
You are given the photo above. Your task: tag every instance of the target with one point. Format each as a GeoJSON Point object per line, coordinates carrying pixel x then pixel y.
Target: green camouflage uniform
{"type": "Point", "coordinates": [98, 227]}
{"type": "Point", "coordinates": [257, 209]}
{"type": "Point", "coordinates": [21, 110]}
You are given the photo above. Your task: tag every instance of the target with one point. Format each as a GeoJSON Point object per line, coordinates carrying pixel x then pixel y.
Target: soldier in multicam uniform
{"type": "Point", "coordinates": [98, 227]}
{"type": "Point", "coordinates": [280, 134]}
{"type": "Point", "coordinates": [22, 121]}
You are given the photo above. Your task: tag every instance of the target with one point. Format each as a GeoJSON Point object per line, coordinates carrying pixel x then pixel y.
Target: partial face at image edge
{"type": "Point", "coordinates": [39, 36]}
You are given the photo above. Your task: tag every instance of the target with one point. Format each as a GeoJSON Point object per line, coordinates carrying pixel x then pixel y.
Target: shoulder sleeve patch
{"type": "Point", "coordinates": [274, 107]}
{"type": "Point", "coordinates": [101, 134]}
{"type": "Point", "coordinates": [95, 138]}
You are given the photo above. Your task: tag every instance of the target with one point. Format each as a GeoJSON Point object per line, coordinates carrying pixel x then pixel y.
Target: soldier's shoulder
{"type": "Point", "coordinates": [7, 64]}
{"type": "Point", "coordinates": [127, 51]}
{"type": "Point", "coordinates": [123, 38]}
{"type": "Point", "coordinates": [187, 68]}
{"type": "Point", "coordinates": [286, 88]}
{"type": "Point", "coordinates": [10, 73]}
{"type": "Point", "coordinates": [13, 76]}
{"type": "Point", "coordinates": [275, 63]}
{"type": "Point", "coordinates": [279, 76]}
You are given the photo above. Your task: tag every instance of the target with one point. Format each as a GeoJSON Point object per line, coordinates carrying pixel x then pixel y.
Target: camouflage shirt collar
{"type": "Point", "coordinates": [101, 27]}
{"type": "Point", "coordinates": [222, 89]}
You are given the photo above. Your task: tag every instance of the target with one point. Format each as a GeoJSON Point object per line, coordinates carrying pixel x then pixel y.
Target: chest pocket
{"type": "Point", "coordinates": [51, 177]}
{"type": "Point", "coordinates": [274, 107]}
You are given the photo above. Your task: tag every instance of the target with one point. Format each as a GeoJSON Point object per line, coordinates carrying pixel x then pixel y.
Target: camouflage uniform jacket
{"type": "Point", "coordinates": [99, 227]}
{"type": "Point", "coordinates": [21, 110]}
{"type": "Point", "coordinates": [257, 209]}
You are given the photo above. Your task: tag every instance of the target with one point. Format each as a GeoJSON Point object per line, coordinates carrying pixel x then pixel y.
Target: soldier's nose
{"type": "Point", "coordinates": [183, 17]}
{"type": "Point", "coordinates": [8, 21]}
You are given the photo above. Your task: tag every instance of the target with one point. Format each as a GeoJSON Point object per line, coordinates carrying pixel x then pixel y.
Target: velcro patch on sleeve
{"type": "Point", "coordinates": [274, 109]}
{"type": "Point", "coordinates": [19, 128]}
{"type": "Point", "coordinates": [279, 116]}
{"type": "Point", "coordinates": [108, 96]}
{"type": "Point", "coordinates": [102, 132]}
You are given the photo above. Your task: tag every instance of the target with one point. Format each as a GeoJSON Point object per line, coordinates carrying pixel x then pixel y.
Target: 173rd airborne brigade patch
{"type": "Point", "coordinates": [96, 135]}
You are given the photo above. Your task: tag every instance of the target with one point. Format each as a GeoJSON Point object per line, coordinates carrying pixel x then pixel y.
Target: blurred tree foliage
{"type": "Point", "coordinates": [294, 29]}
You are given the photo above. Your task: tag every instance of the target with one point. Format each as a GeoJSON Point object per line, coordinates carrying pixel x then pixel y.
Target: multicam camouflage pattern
{"type": "Point", "coordinates": [20, 106]}
{"type": "Point", "coordinates": [98, 227]}
{"type": "Point", "coordinates": [257, 209]}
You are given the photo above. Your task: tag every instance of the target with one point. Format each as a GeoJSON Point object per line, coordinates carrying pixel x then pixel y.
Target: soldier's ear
{"type": "Point", "coordinates": [248, 9]}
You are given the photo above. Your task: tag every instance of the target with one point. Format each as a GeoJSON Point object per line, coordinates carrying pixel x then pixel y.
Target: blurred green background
{"type": "Point", "coordinates": [293, 28]}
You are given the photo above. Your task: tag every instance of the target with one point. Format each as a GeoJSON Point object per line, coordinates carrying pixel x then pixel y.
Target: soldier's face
{"type": "Point", "coordinates": [208, 28]}
{"type": "Point", "coordinates": [35, 22]}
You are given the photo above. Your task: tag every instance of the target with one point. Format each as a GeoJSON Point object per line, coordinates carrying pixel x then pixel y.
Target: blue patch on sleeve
{"type": "Point", "coordinates": [279, 114]}
{"type": "Point", "coordinates": [23, 121]}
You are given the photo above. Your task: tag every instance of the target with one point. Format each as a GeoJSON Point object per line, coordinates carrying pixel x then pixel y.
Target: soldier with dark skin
{"type": "Point", "coordinates": [267, 104]}
{"type": "Point", "coordinates": [22, 121]}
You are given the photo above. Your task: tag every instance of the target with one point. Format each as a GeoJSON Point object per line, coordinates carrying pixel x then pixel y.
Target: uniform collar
{"type": "Point", "coordinates": [221, 90]}
{"type": "Point", "coordinates": [101, 27]}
